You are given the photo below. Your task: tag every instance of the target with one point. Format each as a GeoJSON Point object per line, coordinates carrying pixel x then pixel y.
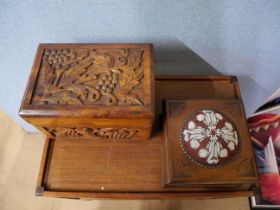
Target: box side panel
{"type": "Point", "coordinates": [88, 128]}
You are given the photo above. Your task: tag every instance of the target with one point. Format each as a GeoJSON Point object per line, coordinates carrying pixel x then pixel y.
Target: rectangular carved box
{"type": "Point", "coordinates": [91, 90]}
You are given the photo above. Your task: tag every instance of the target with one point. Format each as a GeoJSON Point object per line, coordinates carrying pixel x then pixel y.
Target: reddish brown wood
{"type": "Point", "coordinates": [152, 195]}
{"type": "Point", "coordinates": [130, 169]}
{"type": "Point", "coordinates": [81, 90]}
{"type": "Point", "coordinates": [185, 165]}
{"type": "Point", "coordinates": [41, 176]}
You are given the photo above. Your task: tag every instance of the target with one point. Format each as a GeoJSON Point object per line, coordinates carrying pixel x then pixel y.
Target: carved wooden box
{"type": "Point", "coordinates": [91, 90]}
{"type": "Point", "coordinates": [207, 146]}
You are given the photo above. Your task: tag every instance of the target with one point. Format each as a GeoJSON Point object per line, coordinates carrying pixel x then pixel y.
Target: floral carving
{"type": "Point", "coordinates": [209, 138]}
{"type": "Point", "coordinates": [90, 76]}
{"type": "Point", "coordinates": [120, 133]}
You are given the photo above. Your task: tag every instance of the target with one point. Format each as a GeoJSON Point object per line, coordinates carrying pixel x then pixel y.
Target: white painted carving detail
{"type": "Point", "coordinates": [217, 136]}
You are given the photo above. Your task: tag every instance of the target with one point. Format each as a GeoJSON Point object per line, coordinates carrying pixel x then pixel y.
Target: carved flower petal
{"type": "Point", "coordinates": [207, 120]}
{"type": "Point", "coordinates": [214, 120]}
{"type": "Point", "coordinates": [231, 146]}
{"type": "Point", "coordinates": [198, 137]}
{"type": "Point", "coordinates": [219, 116]}
{"type": "Point", "coordinates": [223, 153]}
{"type": "Point", "coordinates": [226, 131]}
{"type": "Point", "coordinates": [196, 131]}
{"type": "Point", "coordinates": [235, 137]}
{"type": "Point", "coordinates": [186, 138]}
{"type": "Point", "coordinates": [191, 125]}
{"type": "Point", "coordinates": [212, 160]}
{"type": "Point", "coordinates": [194, 144]}
{"type": "Point", "coordinates": [228, 138]}
{"type": "Point", "coordinates": [203, 153]}
{"type": "Point", "coordinates": [229, 126]}
{"type": "Point", "coordinates": [200, 117]}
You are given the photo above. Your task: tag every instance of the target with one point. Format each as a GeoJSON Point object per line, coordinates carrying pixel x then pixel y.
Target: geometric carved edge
{"type": "Point", "coordinates": [180, 169]}
{"type": "Point", "coordinates": [175, 108]}
{"type": "Point", "coordinates": [246, 168]}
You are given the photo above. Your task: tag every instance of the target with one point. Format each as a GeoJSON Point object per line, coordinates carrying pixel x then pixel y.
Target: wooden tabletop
{"type": "Point", "coordinates": [126, 169]}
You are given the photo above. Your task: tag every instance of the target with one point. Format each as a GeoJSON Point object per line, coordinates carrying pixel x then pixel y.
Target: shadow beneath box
{"type": "Point", "coordinates": [178, 59]}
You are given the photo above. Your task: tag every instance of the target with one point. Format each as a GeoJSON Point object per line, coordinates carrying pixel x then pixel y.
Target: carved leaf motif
{"type": "Point", "coordinates": [119, 133]}
{"type": "Point", "coordinates": [104, 59]}
{"type": "Point", "coordinates": [130, 79]}
{"type": "Point", "coordinates": [49, 76]}
{"type": "Point", "coordinates": [133, 100]}
{"type": "Point", "coordinates": [122, 133]}
{"type": "Point", "coordinates": [136, 59]}
{"type": "Point", "coordinates": [81, 76]}
{"type": "Point", "coordinates": [80, 91]}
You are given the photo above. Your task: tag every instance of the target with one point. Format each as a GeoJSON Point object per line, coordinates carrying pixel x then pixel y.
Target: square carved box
{"type": "Point", "coordinates": [207, 146]}
{"type": "Point", "coordinates": [91, 90]}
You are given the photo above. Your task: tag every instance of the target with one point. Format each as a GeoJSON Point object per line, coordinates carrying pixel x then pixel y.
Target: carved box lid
{"type": "Point", "coordinates": [207, 143]}
{"type": "Point", "coordinates": [92, 81]}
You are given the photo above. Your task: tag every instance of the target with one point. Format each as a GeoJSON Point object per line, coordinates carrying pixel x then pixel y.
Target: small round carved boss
{"type": "Point", "coordinates": [209, 138]}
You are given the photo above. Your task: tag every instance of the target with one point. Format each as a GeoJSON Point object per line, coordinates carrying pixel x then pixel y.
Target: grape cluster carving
{"type": "Point", "coordinates": [108, 82]}
{"type": "Point", "coordinates": [58, 57]}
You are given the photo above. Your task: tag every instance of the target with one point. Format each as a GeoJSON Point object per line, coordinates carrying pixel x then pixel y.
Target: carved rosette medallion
{"type": "Point", "coordinates": [90, 77]}
{"type": "Point", "coordinates": [209, 138]}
